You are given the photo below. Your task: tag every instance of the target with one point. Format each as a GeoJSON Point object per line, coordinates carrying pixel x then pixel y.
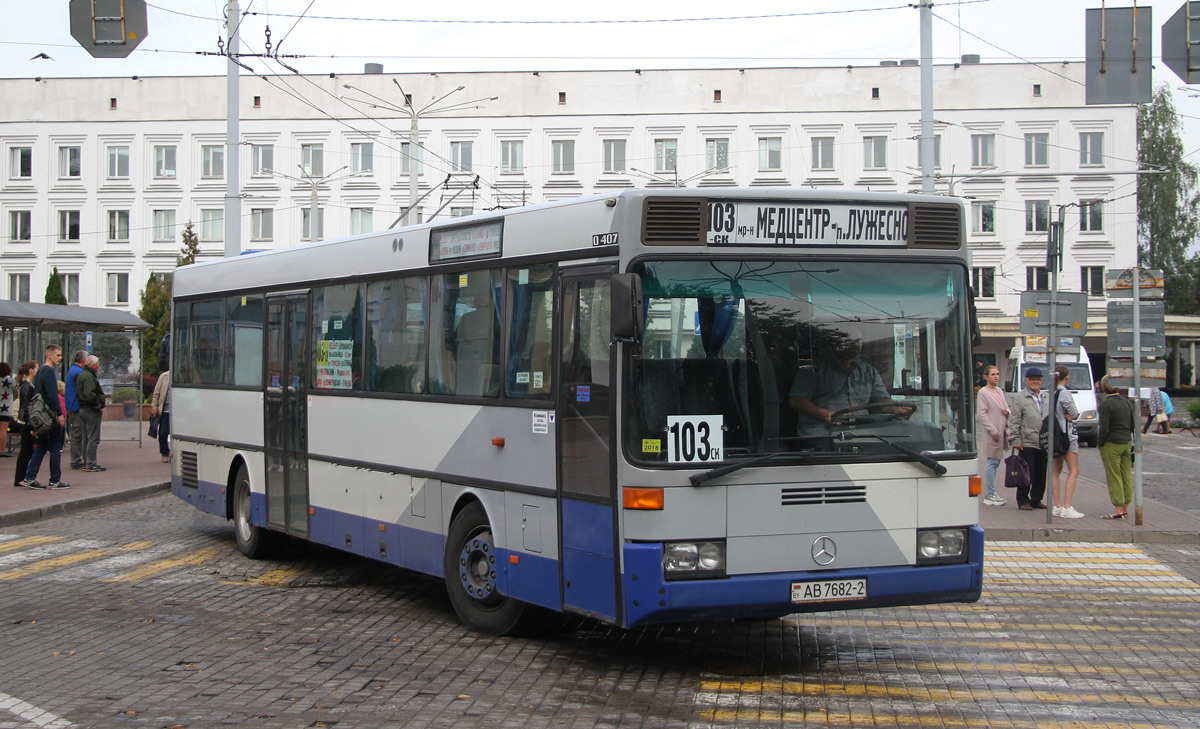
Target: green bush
{"type": "Point", "coordinates": [124, 394]}
{"type": "Point", "coordinates": [1193, 407]}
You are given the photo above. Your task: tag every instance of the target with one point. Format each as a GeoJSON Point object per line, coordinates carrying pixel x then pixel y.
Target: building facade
{"type": "Point", "coordinates": [102, 174]}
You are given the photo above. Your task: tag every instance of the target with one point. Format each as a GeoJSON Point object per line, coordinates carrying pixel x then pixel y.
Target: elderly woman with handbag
{"type": "Point", "coordinates": [1117, 423]}
{"type": "Point", "coordinates": [991, 413]}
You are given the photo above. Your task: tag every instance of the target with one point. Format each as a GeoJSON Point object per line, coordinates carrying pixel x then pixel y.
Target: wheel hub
{"type": "Point", "coordinates": [477, 567]}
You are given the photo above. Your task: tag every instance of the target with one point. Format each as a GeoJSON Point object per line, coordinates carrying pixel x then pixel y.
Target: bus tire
{"type": "Point", "coordinates": [253, 541]}
{"type": "Point", "coordinates": [471, 570]}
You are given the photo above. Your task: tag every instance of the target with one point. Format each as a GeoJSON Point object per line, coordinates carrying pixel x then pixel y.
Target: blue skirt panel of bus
{"type": "Point", "coordinates": [207, 496]}
{"type": "Point", "coordinates": [588, 564]}
{"type": "Point", "coordinates": [651, 599]}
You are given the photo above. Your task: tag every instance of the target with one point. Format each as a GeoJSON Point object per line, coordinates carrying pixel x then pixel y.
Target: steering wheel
{"type": "Point", "coordinates": [842, 417]}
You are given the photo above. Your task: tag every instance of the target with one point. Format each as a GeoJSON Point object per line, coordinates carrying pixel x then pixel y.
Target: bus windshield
{"type": "Point", "coordinates": [831, 358]}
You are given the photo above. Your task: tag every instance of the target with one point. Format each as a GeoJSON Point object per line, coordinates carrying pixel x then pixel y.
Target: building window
{"type": "Point", "coordinates": [164, 162]}
{"type": "Point", "coordinates": [874, 153]}
{"type": "Point", "coordinates": [614, 155]}
{"type": "Point", "coordinates": [118, 162]}
{"type": "Point", "coordinates": [1091, 149]}
{"type": "Point", "coordinates": [1036, 149]}
{"type": "Point", "coordinates": [362, 157]}
{"type": "Point", "coordinates": [18, 287]}
{"type": "Point", "coordinates": [360, 220]}
{"type": "Point", "coordinates": [564, 156]}
{"type": "Point", "coordinates": [212, 224]}
{"type": "Point", "coordinates": [164, 225]}
{"type": "Point", "coordinates": [983, 282]}
{"type": "Point", "coordinates": [666, 152]}
{"type": "Point", "coordinates": [20, 163]}
{"type": "Point", "coordinates": [262, 223]}
{"type": "Point", "coordinates": [212, 160]}
{"type": "Point", "coordinates": [983, 150]}
{"type": "Point", "coordinates": [262, 158]}
{"type": "Point", "coordinates": [70, 285]}
{"type": "Point", "coordinates": [118, 226]}
{"type": "Point", "coordinates": [69, 163]}
{"type": "Point", "coordinates": [1037, 278]}
{"type": "Point", "coordinates": [305, 214]}
{"type": "Point", "coordinates": [983, 216]}
{"type": "Point", "coordinates": [460, 156]}
{"type": "Point", "coordinates": [312, 159]}
{"type": "Point", "coordinates": [1091, 216]}
{"type": "Point", "coordinates": [68, 225]}
{"type": "Point", "coordinates": [20, 226]}
{"type": "Point", "coordinates": [717, 155]}
{"type": "Point", "coordinates": [1037, 216]}
{"type": "Point", "coordinates": [822, 153]}
{"type": "Point", "coordinates": [512, 156]}
{"type": "Point", "coordinates": [1092, 280]}
{"type": "Point", "coordinates": [460, 212]}
{"type": "Point", "coordinates": [406, 159]}
{"type": "Point", "coordinates": [118, 288]}
{"type": "Point", "coordinates": [770, 154]}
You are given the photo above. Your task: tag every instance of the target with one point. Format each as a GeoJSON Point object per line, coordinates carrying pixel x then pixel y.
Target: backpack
{"type": "Point", "coordinates": [38, 415]}
{"type": "Point", "coordinates": [1062, 442]}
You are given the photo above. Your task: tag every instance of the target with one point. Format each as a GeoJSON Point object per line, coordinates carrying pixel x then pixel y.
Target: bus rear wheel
{"type": "Point", "coordinates": [471, 569]}
{"type": "Point", "coordinates": [253, 541]}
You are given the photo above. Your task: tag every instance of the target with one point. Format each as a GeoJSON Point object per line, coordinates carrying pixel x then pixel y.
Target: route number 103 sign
{"type": "Point", "coordinates": [695, 438]}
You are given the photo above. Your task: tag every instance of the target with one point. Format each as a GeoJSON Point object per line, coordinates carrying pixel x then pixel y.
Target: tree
{"type": "Point", "coordinates": [155, 311]}
{"type": "Point", "coordinates": [1168, 221]}
{"type": "Point", "coordinates": [191, 246]}
{"type": "Point", "coordinates": [54, 289]}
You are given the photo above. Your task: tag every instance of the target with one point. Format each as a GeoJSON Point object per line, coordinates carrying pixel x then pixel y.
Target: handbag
{"type": "Point", "coordinates": [1016, 472]}
{"type": "Point", "coordinates": [1160, 418]}
{"type": "Point", "coordinates": [1062, 441]}
{"type": "Point", "coordinates": [153, 431]}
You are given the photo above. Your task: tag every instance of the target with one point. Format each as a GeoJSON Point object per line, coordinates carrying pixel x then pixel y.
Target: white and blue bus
{"type": "Point", "coordinates": [609, 406]}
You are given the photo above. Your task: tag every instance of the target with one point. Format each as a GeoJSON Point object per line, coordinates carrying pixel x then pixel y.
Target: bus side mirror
{"type": "Point", "coordinates": [627, 306]}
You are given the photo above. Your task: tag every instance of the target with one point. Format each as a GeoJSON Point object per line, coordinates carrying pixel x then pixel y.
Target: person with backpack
{"type": "Point", "coordinates": [46, 385]}
{"type": "Point", "coordinates": [25, 377]}
{"type": "Point", "coordinates": [1028, 409]}
{"type": "Point", "coordinates": [1065, 413]}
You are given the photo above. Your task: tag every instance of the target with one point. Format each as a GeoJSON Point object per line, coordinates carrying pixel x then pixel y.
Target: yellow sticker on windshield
{"type": "Point", "coordinates": [651, 446]}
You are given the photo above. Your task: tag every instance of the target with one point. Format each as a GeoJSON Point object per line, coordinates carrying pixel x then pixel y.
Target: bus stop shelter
{"type": "Point", "coordinates": [26, 329]}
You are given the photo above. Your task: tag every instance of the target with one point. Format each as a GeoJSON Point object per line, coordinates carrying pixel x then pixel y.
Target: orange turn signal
{"type": "Point", "coordinates": [974, 485]}
{"type": "Point", "coordinates": [498, 442]}
{"type": "Point", "coordinates": [645, 499]}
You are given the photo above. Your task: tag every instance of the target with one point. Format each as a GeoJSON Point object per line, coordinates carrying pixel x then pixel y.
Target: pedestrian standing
{"type": "Point", "coordinates": [25, 375]}
{"type": "Point", "coordinates": [160, 405]}
{"type": "Point", "coordinates": [91, 411]}
{"type": "Point", "coordinates": [1158, 406]}
{"type": "Point", "coordinates": [1168, 410]}
{"type": "Point", "coordinates": [1029, 408]}
{"type": "Point", "coordinates": [1117, 423]}
{"type": "Point", "coordinates": [1065, 413]}
{"type": "Point", "coordinates": [991, 413]}
{"type": "Point", "coordinates": [8, 400]}
{"type": "Point", "coordinates": [45, 383]}
{"type": "Point", "coordinates": [74, 427]}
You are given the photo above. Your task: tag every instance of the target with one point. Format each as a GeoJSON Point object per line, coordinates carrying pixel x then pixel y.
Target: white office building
{"type": "Point", "coordinates": [102, 174]}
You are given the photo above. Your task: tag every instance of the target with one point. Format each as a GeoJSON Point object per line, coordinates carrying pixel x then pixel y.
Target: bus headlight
{"type": "Point", "coordinates": [694, 559]}
{"type": "Point", "coordinates": [941, 546]}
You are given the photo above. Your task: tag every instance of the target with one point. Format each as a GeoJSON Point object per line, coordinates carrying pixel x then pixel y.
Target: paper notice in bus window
{"type": "Point", "coordinates": [538, 379]}
{"type": "Point", "coordinates": [651, 446]}
{"type": "Point", "coordinates": [522, 378]}
{"type": "Point", "coordinates": [583, 393]}
{"type": "Point", "coordinates": [695, 438]}
{"type": "Point", "coordinates": [541, 422]}
{"type": "Point", "coordinates": [334, 365]}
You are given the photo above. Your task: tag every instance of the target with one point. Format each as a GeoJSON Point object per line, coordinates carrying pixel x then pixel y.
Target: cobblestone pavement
{"type": "Point", "coordinates": [145, 615]}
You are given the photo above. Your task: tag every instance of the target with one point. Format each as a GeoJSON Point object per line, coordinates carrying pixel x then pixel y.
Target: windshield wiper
{"type": "Point", "coordinates": [699, 478]}
{"type": "Point", "coordinates": [922, 458]}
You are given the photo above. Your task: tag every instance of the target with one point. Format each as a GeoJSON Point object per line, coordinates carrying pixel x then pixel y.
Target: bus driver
{"type": "Point", "coordinates": [839, 379]}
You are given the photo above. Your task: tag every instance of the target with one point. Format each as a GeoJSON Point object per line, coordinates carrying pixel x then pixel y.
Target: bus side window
{"type": "Point", "coordinates": [530, 329]}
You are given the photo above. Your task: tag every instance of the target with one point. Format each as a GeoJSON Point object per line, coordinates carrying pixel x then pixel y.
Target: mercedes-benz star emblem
{"type": "Point", "coordinates": [824, 551]}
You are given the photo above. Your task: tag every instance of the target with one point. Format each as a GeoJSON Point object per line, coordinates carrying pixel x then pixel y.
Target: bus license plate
{"type": "Point", "coordinates": [827, 590]}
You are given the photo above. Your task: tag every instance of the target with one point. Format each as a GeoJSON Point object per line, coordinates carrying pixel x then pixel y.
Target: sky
{"type": "Point", "coordinates": [322, 36]}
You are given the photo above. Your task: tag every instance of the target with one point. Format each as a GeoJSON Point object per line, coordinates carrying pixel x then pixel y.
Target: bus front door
{"type": "Point", "coordinates": [286, 415]}
{"type": "Point", "coordinates": [585, 441]}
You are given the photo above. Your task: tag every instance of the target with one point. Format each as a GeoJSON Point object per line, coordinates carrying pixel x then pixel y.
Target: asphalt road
{"type": "Point", "coordinates": [145, 615]}
{"type": "Point", "coordinates": [1170, 469]}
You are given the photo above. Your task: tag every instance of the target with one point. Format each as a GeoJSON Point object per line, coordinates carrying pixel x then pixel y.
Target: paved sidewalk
{"type": "Point", "coordinates": [133, 473]}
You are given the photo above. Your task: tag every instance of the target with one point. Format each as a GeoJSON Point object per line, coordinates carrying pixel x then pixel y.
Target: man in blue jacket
{"type": "Point", "coordinates": [46, 382]}
{"type": "Point", "coordinates": [74, 426]}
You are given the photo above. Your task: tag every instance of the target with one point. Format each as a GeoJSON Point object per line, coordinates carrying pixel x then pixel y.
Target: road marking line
{"type": "Point", "coordinates": [22, 543]}
{"type": "Point", "coordinates": [156, 568]}
{"type": "Point", "coordinates": [47, 550]}
{"type": "Point", "coordinates": [277, 578]}
{"type": "Point", "coordinates": [32, 714]}
{"type": "Point", "coordinates": [54, 563]}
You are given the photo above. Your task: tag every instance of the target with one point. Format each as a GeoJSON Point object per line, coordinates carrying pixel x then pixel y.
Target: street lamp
{"type": "Point", "coordinates": [314, 182]}
{"type": "Point", "coordinates": [414, 113]}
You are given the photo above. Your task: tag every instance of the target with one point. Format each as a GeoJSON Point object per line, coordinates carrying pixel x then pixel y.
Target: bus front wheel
{"type": "Point", "coordinates": [253, 541]}
{"type": "Point", "coordinates": [472, 569]}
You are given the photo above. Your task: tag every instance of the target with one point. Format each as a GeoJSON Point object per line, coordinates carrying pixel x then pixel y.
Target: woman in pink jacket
{"type": "Point", "coordinates": [991, 413]}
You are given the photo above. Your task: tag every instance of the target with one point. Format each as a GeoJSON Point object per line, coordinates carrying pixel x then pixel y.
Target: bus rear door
{"type": "Point", "coordinates": [286, 414]}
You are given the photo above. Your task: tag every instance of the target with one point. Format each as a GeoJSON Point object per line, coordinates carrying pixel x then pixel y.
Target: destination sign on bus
{"type": "Point", "coordinates": [767, 223]}
{"type": "Point", "coordinates": [476, 241]}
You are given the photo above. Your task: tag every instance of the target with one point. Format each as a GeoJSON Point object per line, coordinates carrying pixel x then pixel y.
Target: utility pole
{"type": "Point", "coordinates": [313, 183]}
{"type": "Point", "coordinates": [927, 138]}
{"type": "Point", "coordinates": [233, 197]}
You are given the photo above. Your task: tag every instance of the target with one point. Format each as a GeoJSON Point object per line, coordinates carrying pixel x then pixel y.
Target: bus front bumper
{"type": "Point", "coordinates": [649, 598]}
